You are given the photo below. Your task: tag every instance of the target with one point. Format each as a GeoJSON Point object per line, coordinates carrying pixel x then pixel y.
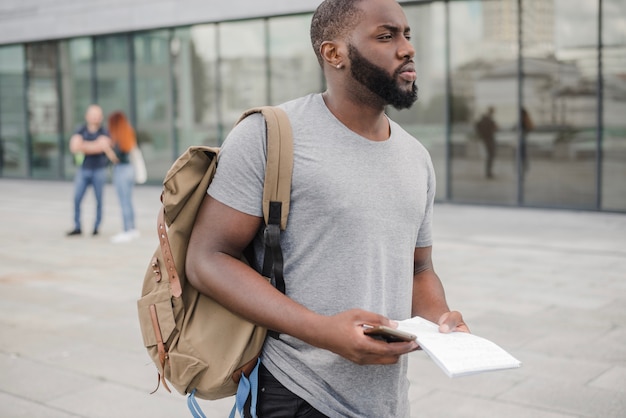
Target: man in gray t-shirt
{"type": "Point", "coordinates": [357, 247]}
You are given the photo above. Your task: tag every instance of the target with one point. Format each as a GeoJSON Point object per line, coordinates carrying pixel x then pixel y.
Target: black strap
{"type": "Point", "coordinates": [273, 253]}
{"type": "Point", "coordinates": [273, 259]}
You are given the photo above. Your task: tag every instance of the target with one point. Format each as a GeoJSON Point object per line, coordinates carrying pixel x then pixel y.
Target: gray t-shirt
{"type": "Point", "coordinates": [358, 210]}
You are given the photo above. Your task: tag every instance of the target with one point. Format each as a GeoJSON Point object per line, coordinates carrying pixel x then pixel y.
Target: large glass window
{"type": "Point", "coordinates": [560, 96]}
{"type": "Point", "coordinates": [614, 139]}
{"type": "Point", "coordinates": [508, 95]}
{"type": "Point", "coordinates": [44, 109]}
{"type": "Point", "coordinates": [426, 120]}
{"type": "Point", "coordinates": [243, 68]}
{"type": "Point", "coordinates": [294, 70]}
{"type": "Point", "coordinates": [153, 104]}
{"type": "Point", "coordinates": [13, 154]}
{"type": "Point", "coordinates": [483, 60]}
{"type": "Point", "coordinates": [196, 87]}
{"type": "Point", "coordinates": [76, 57]}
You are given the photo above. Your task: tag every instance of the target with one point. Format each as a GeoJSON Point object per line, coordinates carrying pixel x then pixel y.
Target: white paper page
{"type": "Point", "coordinates": [458, 353]}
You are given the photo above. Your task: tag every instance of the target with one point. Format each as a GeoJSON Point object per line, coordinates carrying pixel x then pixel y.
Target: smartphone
{"type": "Point", "coordinates": [388, 334]}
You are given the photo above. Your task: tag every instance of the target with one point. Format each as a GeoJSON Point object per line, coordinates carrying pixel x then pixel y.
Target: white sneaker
{"type": "Point", "coordinates": [134, 233]}
{"type": "Point", "coordinates": [122, 237]}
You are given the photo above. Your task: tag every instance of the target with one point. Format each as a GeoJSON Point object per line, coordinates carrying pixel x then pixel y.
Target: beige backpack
{"type": "Point", "coordinates": [198, 346]}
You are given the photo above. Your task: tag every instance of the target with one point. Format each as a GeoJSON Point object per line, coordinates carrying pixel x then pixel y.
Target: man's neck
{"type": "Point", "coordinates": [367, 121]}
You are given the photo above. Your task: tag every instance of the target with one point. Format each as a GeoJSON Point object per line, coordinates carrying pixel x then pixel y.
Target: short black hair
{"type": "Point", "coordinates": [332, 19]}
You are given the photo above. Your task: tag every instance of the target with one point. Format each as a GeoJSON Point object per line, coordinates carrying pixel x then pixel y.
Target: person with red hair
{"type": "Point", "coordinates": [124, 140]}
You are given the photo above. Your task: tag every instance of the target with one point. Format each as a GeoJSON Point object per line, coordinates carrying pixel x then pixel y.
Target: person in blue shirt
{"type": "Point", "coordinates": [93, 142]}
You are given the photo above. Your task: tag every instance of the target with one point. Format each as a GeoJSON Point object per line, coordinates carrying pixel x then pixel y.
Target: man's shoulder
{"type": "Point", "coordinates": [398, 131]}
{"type": "Point", "coordinates": [295, 107]}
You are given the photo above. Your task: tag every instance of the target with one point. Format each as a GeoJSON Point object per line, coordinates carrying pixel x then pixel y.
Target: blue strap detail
{"type": "Point", "coordinates": [247, 386]}
{"type": "Point", "coordinates": [193, 406]}
{"type": "Point", "coordinates": [254, 388]}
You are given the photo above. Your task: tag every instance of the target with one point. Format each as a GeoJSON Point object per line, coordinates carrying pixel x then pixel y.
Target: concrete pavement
{"type": "Point", "coordinates": [548, 286]}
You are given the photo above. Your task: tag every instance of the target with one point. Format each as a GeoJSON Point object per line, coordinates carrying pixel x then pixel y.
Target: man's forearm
{"type": "Point", "coordinates": [78, 144]}
{"type": "Point", "coordinates": [429, 299]}
{"type": "Point", "coordinates": [249, 294]}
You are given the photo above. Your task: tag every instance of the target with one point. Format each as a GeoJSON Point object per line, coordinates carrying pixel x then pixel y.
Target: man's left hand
{"type": "Point", "coordinates": [451, 322]}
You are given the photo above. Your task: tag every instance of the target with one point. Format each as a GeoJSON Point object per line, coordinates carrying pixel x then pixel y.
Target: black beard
{"type": "Point", "coordinates": [376, 80]}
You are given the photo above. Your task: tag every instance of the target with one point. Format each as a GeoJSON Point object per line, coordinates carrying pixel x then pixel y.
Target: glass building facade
{"type": "Point", "coordinates": [561, 62]}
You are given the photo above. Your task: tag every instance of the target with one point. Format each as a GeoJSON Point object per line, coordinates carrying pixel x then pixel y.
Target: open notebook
{"type": "Point", "coordinates": [458, 353]}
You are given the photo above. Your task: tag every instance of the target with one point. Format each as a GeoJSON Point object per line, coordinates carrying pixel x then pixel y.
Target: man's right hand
{"type": "Point", "coordinates": [343, 335]}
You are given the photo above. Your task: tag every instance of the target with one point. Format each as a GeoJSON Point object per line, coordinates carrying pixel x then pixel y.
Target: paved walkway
{"type": "Point", "coordinates": [548, 286]}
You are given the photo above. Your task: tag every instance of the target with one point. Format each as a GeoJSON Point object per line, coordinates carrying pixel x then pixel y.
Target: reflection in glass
{"type": "Point", "coordinates": [75, 64]}
{"type": "Point", "coordinates": [614, 105]}
{"type": "Point", "coordinates": [113, 73]}
{"type": "Point", "coordinates": [426, 119]}
{"type": "Point", "coordinates": [13, 155]}
{"type": "Point", "coordinates": [294, 70]}
{"type": "Point", "coordinates": [483, 59]}
{"type": "Point", "coordinates": [559, 93]}
{"type": "Point", "coordinates": [43, 109]}
{"type": "Point", "coordinates": [243, 68]}
{"type": "Point", "coordinates": [153, 110]}
{"type": "Point", "coordinates": [194, 63]}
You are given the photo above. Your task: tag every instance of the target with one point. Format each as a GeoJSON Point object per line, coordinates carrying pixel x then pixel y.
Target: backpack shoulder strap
{"type": "Point", "coordinates": [279, 166]}
{"type": "Point", "coordinates": [276, 189]}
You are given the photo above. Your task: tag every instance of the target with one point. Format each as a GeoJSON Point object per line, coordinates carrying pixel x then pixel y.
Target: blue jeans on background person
{"type": "Point", "coordinates": [84, 178]}
{"type": "Point", "coordinates": [124, 181]}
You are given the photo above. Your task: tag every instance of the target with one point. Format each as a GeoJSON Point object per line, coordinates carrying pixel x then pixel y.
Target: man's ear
{"type": "Point", "coordinates": [332, 54]}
